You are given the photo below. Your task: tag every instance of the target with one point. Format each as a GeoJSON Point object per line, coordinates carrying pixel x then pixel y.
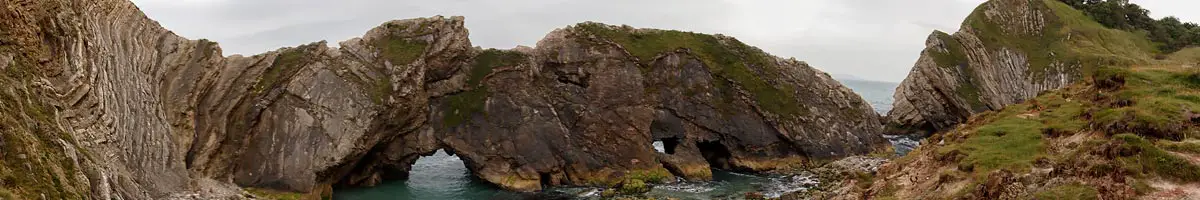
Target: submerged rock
{"type": "Point", "coordinates": [154, 115]}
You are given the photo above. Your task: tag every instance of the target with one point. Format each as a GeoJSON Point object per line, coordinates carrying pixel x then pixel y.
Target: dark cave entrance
{"type": "Point", "coordinates": [666, 145]}
{"type": "Point", "coordinates": [546, 179]}
{"type": "Point", "coordinates": [715, 153]}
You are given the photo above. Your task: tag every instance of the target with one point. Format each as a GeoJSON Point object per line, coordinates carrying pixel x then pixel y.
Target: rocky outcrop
{"type": "Point", "coordinates": [142, 113]}
{"type": "Point", "coordinates": [162, 115]}
{"type": "Point", "coordinates": [1007, 51]}
{"type": "Point", "coordinates": [582, 108]}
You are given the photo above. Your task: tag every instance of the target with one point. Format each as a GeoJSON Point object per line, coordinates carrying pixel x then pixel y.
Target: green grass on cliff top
{"type": "Point", "coordinates": [1069, 37]}
{"type": "Point", "coordinates": [1012, 138]}
{"type": "Point", "coordinates": [398, 51]}
{"type": "Point", "coordinates": [1153, 160]}
{"type": "Point", "coordinates": [729, 58]}
{"type": "Point", "coordinates": [1147, 115]}
{"type": "Point", "coordinates": [956, 57]}
{"type": "Point", "coordinates": [460, 107]}
{"type": "Point", "coordinates": [286, 64]}
{"type": "Point", "coordinates": [1160, 97]}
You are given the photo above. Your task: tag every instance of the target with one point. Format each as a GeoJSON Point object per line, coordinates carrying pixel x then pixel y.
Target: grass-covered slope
{"type": "Point", "coordinates": [1005, 52]}
{"type": "Point", "coordinates": [1064, 36]}
{"type": "Point", "coordinates": [1067, 37]}
{"type": "Point", "coordinates": [1189, 56]}
{"type": "Point", "coordinates": [1126, 132]}
{"type": "Point", "coordinates": [1128, 128]}
{"type": "Point", "coordinates": [37, 158]}
{"type": "Point", "coordinates": [746, 66]}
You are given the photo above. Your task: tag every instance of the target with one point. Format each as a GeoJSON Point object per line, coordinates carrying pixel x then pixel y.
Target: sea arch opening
{"type": "Point", "coordinates": [666, 145]}
{"type": "Point", "coordinates": [440, 175]}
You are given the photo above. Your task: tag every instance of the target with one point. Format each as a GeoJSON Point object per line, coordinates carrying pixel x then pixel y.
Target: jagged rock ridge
{"type": "Point", "coordinates": [143, 113]}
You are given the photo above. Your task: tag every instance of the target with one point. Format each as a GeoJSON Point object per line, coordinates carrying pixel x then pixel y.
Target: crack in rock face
{"type": "Point", "coordinates": [155, 115]}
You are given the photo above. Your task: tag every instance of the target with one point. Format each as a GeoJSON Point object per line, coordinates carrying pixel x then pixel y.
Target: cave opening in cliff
{"type": "Point", "coordinates": [441, 174]}
{"type": "Point", "coordinates": [545, 179]}
{"type": "Point", "coordinates": [715, 153]}
{"type": "Point", "coordinates": [435, 170]}
{"type": "Point", "coordinates": [666, 145]}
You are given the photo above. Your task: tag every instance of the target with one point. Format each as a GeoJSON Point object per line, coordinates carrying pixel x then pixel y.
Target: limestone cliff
{"type": "Point", "coordinates": [102, 102]}
{"type": "Point", "coordinates": [1007, 51]}
{"type": "Point", "coordinates": [588, 101]}
{"type": "Point", "coordinates": [163, 116]}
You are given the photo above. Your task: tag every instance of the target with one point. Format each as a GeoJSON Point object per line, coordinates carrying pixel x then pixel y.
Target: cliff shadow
{"type": "Point", "coordinates": [715, 153]}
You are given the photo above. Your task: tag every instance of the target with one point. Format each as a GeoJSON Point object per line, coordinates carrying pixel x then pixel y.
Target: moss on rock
{"type": "Point", "coordinates": [656, 175]}
{"type": "Point", "coordinates": [399, 50]}
{"type": "Point", "coordinates": [462, 106]}
{"type": "Point", "coordinates": [954, 56]}
{"type": "Point", "coordinates": [634, 186]}
{"type": "Point", "coordinates": [33, 161]}
{"type": "Point", "coordinates": [728, 59]}
{"type": "Point", "coordinates": [1068, 192]}
{"type": "Point", "coordinates": [274, 195]}
{"type": "Point", "coordinates": [286, 64]}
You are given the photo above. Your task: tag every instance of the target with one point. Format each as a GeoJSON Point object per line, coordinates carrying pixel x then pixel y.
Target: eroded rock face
{"type": "Point", "coordinates": [160, 113]}
{"type": "Point", "coordinates": [582, 109]}
{"type": "Point", "coordinates": [160, 116]}
{"type": "Point", "coordinates": [972, 71]}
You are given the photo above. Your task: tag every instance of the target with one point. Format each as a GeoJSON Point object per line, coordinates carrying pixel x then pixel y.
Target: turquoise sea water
{"type": "Point", "coordinates": [442, 176]}
{"type": "Point", "coordinates": [879, 94]}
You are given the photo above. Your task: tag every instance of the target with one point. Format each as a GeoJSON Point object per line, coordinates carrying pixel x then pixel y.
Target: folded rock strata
{"type": "Point", "coordinates": [142, 113]}
{"type": "Point", "coordinates": [1007, 51]}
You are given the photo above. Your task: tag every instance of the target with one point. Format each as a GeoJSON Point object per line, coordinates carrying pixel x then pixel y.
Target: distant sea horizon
{"type": "Point", "coordinates": [877, 93]}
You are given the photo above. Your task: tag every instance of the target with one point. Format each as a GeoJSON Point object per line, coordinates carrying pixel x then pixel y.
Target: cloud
{"type": "Point", "coordinates": [872, 39]}
{"type": "Point", "coordinates": [1184, 9]}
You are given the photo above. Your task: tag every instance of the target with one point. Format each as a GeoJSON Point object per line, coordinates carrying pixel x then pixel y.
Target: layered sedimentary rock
{"type": "Point", "coordinates": [582, 107]}
{"type": "Point", "coordinates": [1007, 51]}
{"type": "Point", "coordinates": [122, 108]}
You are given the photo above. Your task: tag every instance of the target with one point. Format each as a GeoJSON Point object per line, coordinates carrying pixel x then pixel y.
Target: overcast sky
{"type": "Point", "coordinates": [869, 39]}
